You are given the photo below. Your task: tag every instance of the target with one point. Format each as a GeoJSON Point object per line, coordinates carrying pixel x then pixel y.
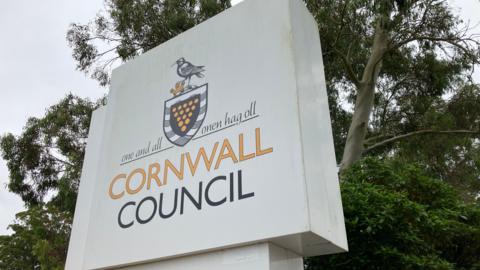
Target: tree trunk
{"type": "Point", "coordinates": [364, 102]}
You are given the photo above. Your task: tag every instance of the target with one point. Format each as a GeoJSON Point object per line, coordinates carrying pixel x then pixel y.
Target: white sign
{"type": "Point", "coordinates": [220, 137]}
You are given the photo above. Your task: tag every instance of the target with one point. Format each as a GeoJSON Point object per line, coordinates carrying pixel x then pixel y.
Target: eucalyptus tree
{"type": "Point", "coordinates": [39, 240]}
{"type": "Point", "coordinates": [400, 85]}
{"type": "Point", "coordinates": [128, 28]}
{"type": "Point", "coordinates": [393, 59]}
{"type": "Point", "coordinates": [47, 157]}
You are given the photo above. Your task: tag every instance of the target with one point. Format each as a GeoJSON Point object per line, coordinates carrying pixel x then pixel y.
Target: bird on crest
{"type": "Point", "coordinates": [187, 70]}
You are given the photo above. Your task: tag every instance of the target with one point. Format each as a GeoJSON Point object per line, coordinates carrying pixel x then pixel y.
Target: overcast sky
{"type": "Point", "coordinates": [37, 70]}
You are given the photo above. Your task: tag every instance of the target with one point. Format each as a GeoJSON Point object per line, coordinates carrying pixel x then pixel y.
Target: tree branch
{"type": "Point", "coordinates": [348, 65]}
{"type": "Point", "coordinates": [454, 41]}
{"type": "Point", "coordinates": [420, 132]}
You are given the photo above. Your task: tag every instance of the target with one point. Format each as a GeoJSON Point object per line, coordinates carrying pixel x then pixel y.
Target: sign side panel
{"type": "Point", "coordinates": [323, 190]}
{"type": "Point", "coordinates": [78, 237]}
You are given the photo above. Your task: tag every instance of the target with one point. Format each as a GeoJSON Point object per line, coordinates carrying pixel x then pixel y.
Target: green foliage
{"type": "Point", "coordinates": [16, 252]}
{"type": "Point", "coordinates": [398, 217]}
{"type": "Point", "coordinates": [130, 28]}
{"type": "Point", "coordinates": [39, 240]}
{"type": "Point", "coordinates": [48, 155]}
{"type": "Point", "coordinates": [453, 158]}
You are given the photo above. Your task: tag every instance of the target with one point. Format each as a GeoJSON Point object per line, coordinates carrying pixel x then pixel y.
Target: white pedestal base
{"type": "Point", "coordinates": [264, 256]}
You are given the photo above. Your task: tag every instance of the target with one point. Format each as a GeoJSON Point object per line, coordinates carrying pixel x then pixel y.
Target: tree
{"type": "Point", "coordinates": [130, 28]}
{"type": "Point", "coordinates": [398, 217]}
{"type": "Point", "coordinates": [451, 155]}
{"type": "Point", "coordinates": [45, 163]}
{"type": "Point", "coordinates": [394, 59]}
{"type": "Point", "coordinates": [39, 240]}
{"type": "Point", "coordinates": [48, 155]}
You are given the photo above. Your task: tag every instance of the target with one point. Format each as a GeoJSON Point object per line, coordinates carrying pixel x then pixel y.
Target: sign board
{"type": "Point", "coordinates": [220, 137]}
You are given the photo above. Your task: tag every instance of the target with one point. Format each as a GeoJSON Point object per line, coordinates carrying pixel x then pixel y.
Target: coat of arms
{"type": "Point", "coordinates": [185, 112]}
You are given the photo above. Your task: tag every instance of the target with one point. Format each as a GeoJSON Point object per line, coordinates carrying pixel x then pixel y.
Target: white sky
{"type": "Point", "coordinates": [37, 70]}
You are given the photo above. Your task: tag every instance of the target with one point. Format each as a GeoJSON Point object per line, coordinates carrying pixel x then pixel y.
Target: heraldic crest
{"type": "Point", "coordinates": [185, 112]}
